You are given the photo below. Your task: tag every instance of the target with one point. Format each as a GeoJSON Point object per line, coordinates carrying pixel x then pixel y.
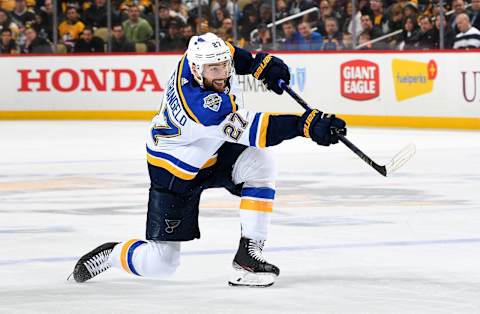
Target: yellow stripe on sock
{"type": "Point", "coordinates": [260, 206]}
{"type": "Point", "coordinates": [123, 255]}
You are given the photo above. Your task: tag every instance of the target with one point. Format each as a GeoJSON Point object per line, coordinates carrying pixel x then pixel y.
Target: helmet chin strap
{"type": "Point", "coordinates": [197, 76]}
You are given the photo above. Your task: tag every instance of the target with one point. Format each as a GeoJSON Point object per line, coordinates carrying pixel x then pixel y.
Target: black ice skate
{"type": "Point", "coordinates": [250, 268]}
{"type": "Point", "coordinates": [93, 263]}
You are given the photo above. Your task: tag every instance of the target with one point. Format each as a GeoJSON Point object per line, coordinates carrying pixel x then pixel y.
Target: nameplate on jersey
{"type": "Point", "coordinates": [212, 102]}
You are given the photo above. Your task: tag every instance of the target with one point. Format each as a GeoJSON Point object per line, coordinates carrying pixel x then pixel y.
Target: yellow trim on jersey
{"type": "Point", "coordinates": [167, 165]}
{"type": "Point", "coordinates": [210, 162]}
{"type": "Point", "coordinates": [262, 136]}
{"type": "Point", "coordinates": [232, 49]}
{"type": "Point", "coordinates": [180, 92]}
{"type": "Point", "coordinates": [234, 105]}
{"type": "Point", "coordinates": [260, 206]}
{"type": "Point", "coordinates": [123, 255]}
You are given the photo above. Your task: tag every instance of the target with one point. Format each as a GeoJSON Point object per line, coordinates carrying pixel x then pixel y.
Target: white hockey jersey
{"type": "Point", "coordinates": [193, 123]}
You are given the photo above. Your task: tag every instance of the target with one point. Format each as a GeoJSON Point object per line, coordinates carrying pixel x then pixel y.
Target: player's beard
{"type": "Point", "coordinates": [218, 85]}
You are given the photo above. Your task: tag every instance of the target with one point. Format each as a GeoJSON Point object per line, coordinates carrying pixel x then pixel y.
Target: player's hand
{"type": "Point", "coordinates": [321, 127]}
{"type": "Point", "coordinates": [270, 70]}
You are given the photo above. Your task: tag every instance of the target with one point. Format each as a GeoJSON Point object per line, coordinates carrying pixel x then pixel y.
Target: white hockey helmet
{"type": "Point", "coordinates": [206, 49]}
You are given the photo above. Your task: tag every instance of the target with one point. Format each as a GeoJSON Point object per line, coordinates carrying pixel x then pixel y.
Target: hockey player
{"type": "Point", "coordinates": [202, 138]}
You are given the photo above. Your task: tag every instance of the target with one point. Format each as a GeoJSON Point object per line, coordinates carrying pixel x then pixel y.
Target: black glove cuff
{"type": "Point", "coordinates": [308, 119]}
{"type": "Point", "coordinates": [261, 63]}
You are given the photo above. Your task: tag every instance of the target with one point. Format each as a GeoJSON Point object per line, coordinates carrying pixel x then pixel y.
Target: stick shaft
{"type": "Point", "coordinates": [341, 138]}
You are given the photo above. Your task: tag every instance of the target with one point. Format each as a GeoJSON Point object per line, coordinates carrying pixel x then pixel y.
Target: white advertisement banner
{"type": "Point", "coordinates": [373, 84]}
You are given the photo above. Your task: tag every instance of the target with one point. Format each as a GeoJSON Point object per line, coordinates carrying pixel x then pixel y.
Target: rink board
{"type": "Point", "coordinates": [420, 89]}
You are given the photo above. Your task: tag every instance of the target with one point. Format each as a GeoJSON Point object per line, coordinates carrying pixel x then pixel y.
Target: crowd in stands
{"type": "Point", "coordinates": [27, 26]}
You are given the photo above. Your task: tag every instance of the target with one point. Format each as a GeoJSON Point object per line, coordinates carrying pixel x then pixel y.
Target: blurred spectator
{"type": "Point", "coordinates": [201, 25]}
{"type": "Point", "coordinates": [173, 41]}
{"type": "Point", "coordinates": [410, 9]}
{"type": "Point", "coordinates": [7, 5]}
{"type": "Point", "coordinates": [475, 15]}
{"type": "Point", "coordinates": [21, 15]}
{"type": "Point", "coordinates": [6, 23]}
{"type": "Point", "coordinates": [218, 16]}
{"type": "Point", "coordinates": [41, 28]}
{"type": "Point", "coordinates": [297, 6]}
{"type": "Point", "coordinates": [347, 39]}
{"type": "Point", "coordinates": [178, 11]}
{"type": "Point", "coordinates": [367, 26]}
{"type": "Point", "coordinates": [349, 23]}
{"type": "Point", "coordinates": [281, 9]}
{"type": "Point", "coordinates": [326, 11]}
{"type": "Point", "coordinates": [165, 18]}
{"type": "Point", "coordinates": [364, 38]}
{"type": "Point", "coordinates": [35, 44]}
{"type": "Point", "coordinates": [395, 18]}
{"type": "Point", "coordinates": [449, 35]}
{"type": "Point", "coordinates": [458, 7]}
{"type": "Point", "coordinates": [252, 6]}
{"type": "Point", "coordinates": [248, 24]}
{"type": "Point", "coordinates": [379, 18]}
{"type": "Point", "coordinates": [119, 41]}
{"type": "Point", "coordinates": [410, 34]}
{"type": "Point", "coordinates": [144, 6]}
{"type": "Point", "coordinates": [426, 38]}
{"type": "Point", "coordinates": [89, 43]}
{"type": "Point", "coordinates": [137, 29]}
{"type": "Point", "coordinates": [227, 26]}
{"type": "Point", "coordinates": [333, 38]}
{"type": "Point", "coordinates": [187, 33]}
{"type": "Point", "coordinates": [65, 4]}
{"type": "Point", "coordinates": [264, 39]}
{"type": "Point", "coordinates": [265, 14]}
{"type": "Point", "coordinates": [227, 5]}
{"type": "Point", "coordinates": [46, 13]}
{"type": "Point", "coordinates": [96, 15]}
{"type": "Point", "coordinates": [469, 36]}
{"type": "Point", "coordinates": [292, 38]}
{"type": "Point", "coordinates": [311, 40]}
{"type": "Point", "coordinates": [8, 45]}
{"type": "Point", "coordinates": [70, 29]}
{"type": "Point", "coordinates": [192, 5]}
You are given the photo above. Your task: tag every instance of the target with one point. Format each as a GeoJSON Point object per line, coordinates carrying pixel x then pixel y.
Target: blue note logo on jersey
{"type": "Point", "coordinates": [171, 224]}
{"type": "Point", "coordinates": [212, 102]}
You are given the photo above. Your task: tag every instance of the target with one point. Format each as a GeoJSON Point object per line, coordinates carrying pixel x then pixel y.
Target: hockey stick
{"type": "Point", "coordinates": [397, 161]}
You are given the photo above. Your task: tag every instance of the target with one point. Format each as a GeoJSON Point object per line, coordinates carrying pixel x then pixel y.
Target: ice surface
{"type": "Point", "coordinates": [346, 239]}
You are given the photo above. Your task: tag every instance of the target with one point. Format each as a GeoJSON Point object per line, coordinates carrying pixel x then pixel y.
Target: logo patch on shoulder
{"type": "Point", "coordinates": [212, 102]}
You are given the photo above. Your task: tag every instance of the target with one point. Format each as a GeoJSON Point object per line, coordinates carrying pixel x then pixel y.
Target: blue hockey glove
{"type": "Point", "coordinates": [269, 70]}
{"type": "Point", "coordinates": [321, 127]}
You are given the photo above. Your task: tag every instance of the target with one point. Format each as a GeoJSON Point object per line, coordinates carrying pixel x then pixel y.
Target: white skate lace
{"type": "Point", "coordinates": [98, 263]}
{"type": "Point", "coordinates": [255, 250]}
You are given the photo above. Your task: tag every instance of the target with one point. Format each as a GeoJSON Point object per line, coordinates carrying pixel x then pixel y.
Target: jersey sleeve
{"type": "Point", "coordinates": [242, 59]}
{"type": "Point", "coordinates": [258, 129]}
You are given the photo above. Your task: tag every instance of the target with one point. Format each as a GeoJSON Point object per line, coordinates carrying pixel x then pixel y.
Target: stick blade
{"type": "Point", "coordinates": [400, 158]}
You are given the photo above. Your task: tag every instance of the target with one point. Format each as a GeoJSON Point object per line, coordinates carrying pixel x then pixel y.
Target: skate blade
{"type": "Point", "coordinates": [244, 278]}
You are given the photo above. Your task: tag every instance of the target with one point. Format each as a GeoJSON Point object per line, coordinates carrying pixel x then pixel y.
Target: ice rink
{"type": "Point", "coordinates": [346, 239]}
